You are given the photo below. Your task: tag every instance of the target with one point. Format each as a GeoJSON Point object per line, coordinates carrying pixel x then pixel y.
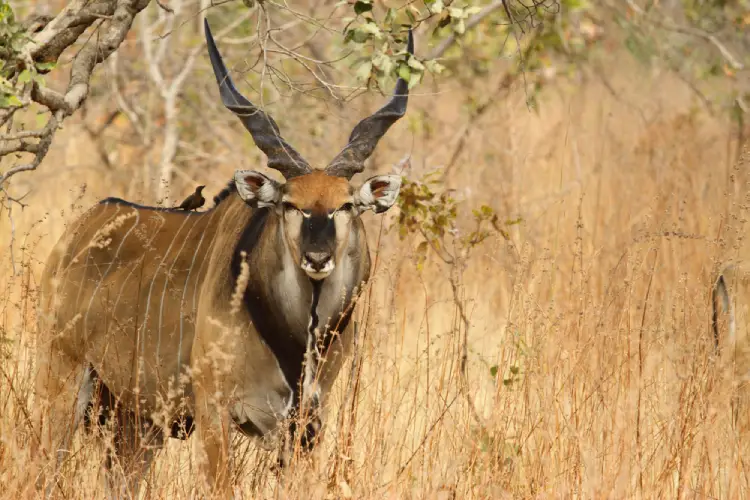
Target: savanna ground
{"type": "Point", "coordinates": [589, 326]}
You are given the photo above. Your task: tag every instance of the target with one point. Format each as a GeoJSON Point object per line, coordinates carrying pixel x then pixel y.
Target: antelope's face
{"type": "Point", "coordinates": [317, 208]}
{"type": "Point", "coordinates": [318, 212]}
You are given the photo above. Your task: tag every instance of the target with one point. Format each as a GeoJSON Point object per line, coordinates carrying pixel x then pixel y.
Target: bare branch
{"type": "Point", "coordinates": [21, 135]}
{"type": "Point", "coordinates": [169, 88]}
{"type": "Point", "coordinates": [164, 6]}
{"type": "Point", "coordinates": [48, 98]}
{"type": "Point", "coordinates": [41, 149]}
{"type": "Point", "coordinates": [51, 38]}
{"type": "Point", "coordinates": [125, 107]}
{"type": "Point", "coordinates": [730, 58]}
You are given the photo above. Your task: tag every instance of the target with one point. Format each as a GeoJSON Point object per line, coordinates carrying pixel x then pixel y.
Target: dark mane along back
{"type": "Point", "coordinates": [223, 194]}
{"type": "Point", "coordinates": [119, 201]}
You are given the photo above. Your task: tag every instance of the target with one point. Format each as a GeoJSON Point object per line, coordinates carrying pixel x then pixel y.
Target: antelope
{"type": "Point", "coordinates": [194, 322]}
{"type": "Point", "coordinates": [731, 325]}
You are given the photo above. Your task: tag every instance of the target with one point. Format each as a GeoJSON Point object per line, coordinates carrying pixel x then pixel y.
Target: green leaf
{"type": "Point", "coordinates": [404, 72]}
{"type": "Point", "coordinates": [45, 66]}
{"type": "Point", "coordinates": [24, 77]}
{"type": "Point", "coordinates": [421, 252]}
{"type": "Point", "coordinates": [362, 6]}
{"type": "Point", "coordinates": [460, 27]}
{"type": "Point", "coordinates": [390, 16]}
{"type": "Point", "coordinates": [382, 62]}
{"type": "Point", "coordinates": [363, 72]}
{"type": "Point", "coordinates": [457, 13]}
{"type": "Point", "coordinates": [415, 64]}
{"type": "Point", "coordinates": [359, 35]}
{"type": "Point", "coordinates": [372, 29]}
{"type": "Point", "coordinates": [434, 67]}
{"type": "Point", "coordinates": [638, 49]}
{"type": "Point", "coordinates": [414, 80]}
{"type": "Point", "coordinates": [436, 7]}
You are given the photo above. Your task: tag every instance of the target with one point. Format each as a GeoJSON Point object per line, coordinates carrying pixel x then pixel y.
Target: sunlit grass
{"type": "Point", "coordinates": [590, 371]}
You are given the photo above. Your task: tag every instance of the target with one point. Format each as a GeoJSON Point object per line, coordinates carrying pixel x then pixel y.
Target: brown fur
{"type": "Point", "coordinates": [731, 322]}
{"type": "Point", "coordinates": [126, 289]}
{"type": "Point", "coordinates": [318, 192]}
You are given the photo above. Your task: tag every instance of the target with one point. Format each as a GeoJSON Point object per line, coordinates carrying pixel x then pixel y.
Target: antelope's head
{"type": "Point", "coordinates": [318, 208]}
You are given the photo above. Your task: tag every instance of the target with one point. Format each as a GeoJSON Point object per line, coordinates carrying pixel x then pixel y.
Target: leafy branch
{"type": "Point", "coordinates": [32, 50]}
{"type": "Point", "coordinates": [429, 210]}
{"type": "Point", "coordinates": [29, 55]}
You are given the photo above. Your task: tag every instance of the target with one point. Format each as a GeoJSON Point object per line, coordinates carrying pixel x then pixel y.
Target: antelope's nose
{"type": "Point", "coordinates": [318, 260]}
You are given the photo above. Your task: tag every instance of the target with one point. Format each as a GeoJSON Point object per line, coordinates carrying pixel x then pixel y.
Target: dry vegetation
{"type": "Point", "coordinates": [589, 342]}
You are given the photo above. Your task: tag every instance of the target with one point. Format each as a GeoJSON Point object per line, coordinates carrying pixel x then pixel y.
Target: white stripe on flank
{"type": "Point", "coordinates": [185, 288]}
{"type": "Point", "coordinates": [85, 262]}
{"type": "Point", "coordinates": [200, 270]}
{"type": "Point", "coordinates": [161, 308]}
{"type": "Point", "coordinates": [144, 323]}
{"type": "Point", "coordinates": [166, 278]}
{"type": "Point", "coordinates": [136, 264]}
{"type": "Point", "coordinates": [109, 267]}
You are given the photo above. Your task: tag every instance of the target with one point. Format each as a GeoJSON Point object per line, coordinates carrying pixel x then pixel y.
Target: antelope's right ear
{"type": "Point", "coordinates": [256, 189]}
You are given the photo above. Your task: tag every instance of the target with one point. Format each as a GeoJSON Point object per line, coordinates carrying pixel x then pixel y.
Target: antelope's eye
{"type": "Point", "coordinates": [346, 207]}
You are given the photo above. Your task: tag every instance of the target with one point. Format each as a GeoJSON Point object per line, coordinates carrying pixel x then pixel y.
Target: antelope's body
{"type": "Point", "coordinates": [240, 315]}
{"type": "Point", "coordinates": [731, 328]}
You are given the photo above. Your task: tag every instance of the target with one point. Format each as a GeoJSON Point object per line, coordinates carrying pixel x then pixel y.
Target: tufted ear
{"type": "Point", "coordinates": [379, 193]}
{"type": "Point", "coordinates": [256, 189]}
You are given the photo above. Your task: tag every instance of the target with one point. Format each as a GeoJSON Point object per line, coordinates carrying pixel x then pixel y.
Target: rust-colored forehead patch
{"type": "Point", "coordinates": [318, 191]}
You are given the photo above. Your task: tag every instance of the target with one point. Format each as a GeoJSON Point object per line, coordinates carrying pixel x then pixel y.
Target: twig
{"type": "Point", "coordinates": [726, 54]}
{"type": "Point", "coordinates": [12, 242]}
{"type": "Point", "coordinates": [503, 86]}
{"type": "Point", "coordinates": [164, 6]}
{"type": "Point", "coordinates": [41, 149]}
{"type": "Point", "coordinates": [95, 136]}
{"type": "Point", "coordinates": [125, 107]}
{"type": "Point", "coordinates": [463, 366]}
{"type": "Point", "coordinates": [169, 90]}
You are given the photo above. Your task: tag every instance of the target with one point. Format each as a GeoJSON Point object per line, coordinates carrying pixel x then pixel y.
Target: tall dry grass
{"type": "Point", "coordinates": [589, 341]}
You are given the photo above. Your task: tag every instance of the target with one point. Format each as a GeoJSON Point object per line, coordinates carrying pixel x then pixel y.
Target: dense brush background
{"type": "Point", "coordinates": [589, 339]}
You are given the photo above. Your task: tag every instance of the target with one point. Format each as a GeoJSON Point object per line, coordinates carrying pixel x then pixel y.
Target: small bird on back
{"type": "Point", "coordinates": [194, 201]}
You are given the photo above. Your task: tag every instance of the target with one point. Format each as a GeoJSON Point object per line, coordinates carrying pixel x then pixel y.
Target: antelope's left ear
{"type": "Point", "coordinates": [379, 193]}
{"type": "Point", "coordinates": [256, 189]}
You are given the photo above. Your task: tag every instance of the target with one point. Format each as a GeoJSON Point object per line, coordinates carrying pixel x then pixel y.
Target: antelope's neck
{"type": "Point", "coordinates": [306, 303]}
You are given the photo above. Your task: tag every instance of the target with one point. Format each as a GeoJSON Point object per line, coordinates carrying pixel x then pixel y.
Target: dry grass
{"type": "Point", "coordinates": [597, 315]}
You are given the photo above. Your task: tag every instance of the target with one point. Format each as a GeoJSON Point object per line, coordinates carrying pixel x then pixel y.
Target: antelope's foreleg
{"type": "Point", "coordinates": [212, 444]}
{"type": "Point", "coordinates": [136, 441]}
